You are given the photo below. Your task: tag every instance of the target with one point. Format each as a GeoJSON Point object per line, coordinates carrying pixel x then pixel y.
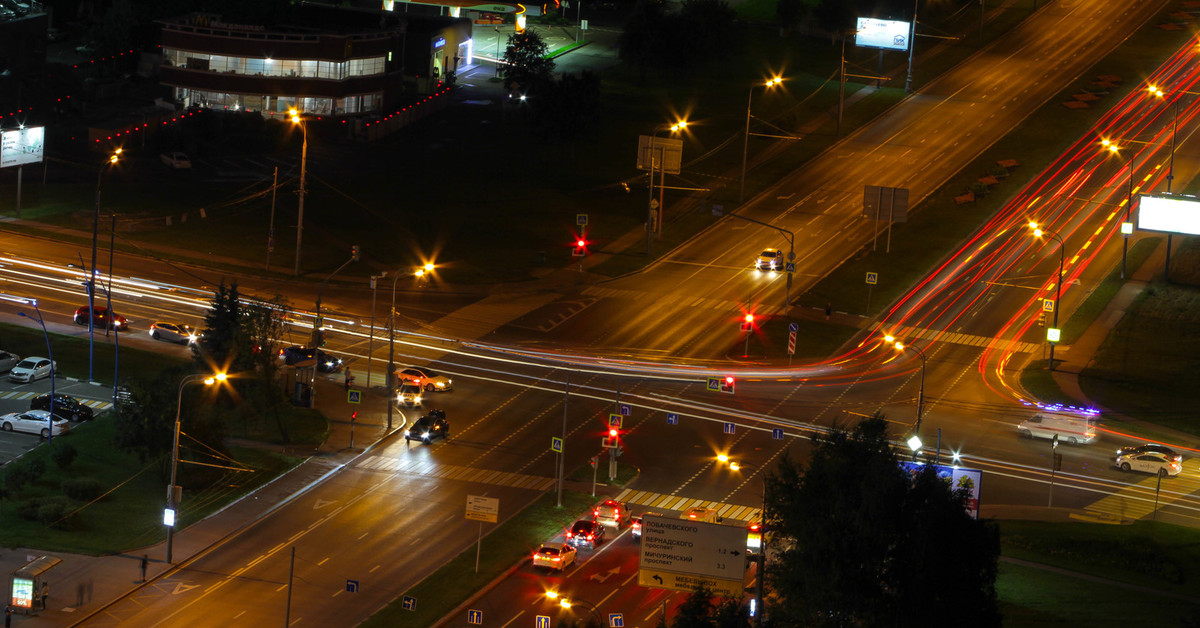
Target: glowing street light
{"type": "Point", "coordinates": [920, 394]}
{"type": "Point", "coordinates": [91, 283]}
{"type": "Point", "coordinates": [297, 119]}
{"type": "Point", "coordinates": [169, 515]}
{"type": "Point", "coordinates": [768, 84]}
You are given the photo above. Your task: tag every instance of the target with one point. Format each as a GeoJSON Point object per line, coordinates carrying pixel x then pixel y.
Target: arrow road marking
{"type": "Point", "coordinates": [607, 574]}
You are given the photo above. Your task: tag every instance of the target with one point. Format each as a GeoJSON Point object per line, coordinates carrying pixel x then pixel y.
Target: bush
{"type": "Point", "coordinates": [82, 489]}
{"type": "Point", "coordinates": [56, 512]}
{"type": "Point", "coordinates": [28, 509]}
{"type": "Point", "coordinates": [37, 468]}
{"type": "Point", "coordinates": [64, 455]}
{"type": "Point", "coordinates": [16, 476]}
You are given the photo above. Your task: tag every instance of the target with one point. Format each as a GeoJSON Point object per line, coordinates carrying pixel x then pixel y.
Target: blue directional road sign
{"type": "Point", "coordinates": [625, 409]}
{"type": "Point", "coordinates": [777, 433]}
{"type": "Point", "coordinates": [475, 618]}
{"type": "Point", "coordinates": [354, 396]}
{"type": "Point", "coordinates": [541, 621]}
{"type": "Point", "coordinates": [672, 419]}
{"type": "Point", "coordinates": [409, 603]}
{"type": "Point", "coordinates": [729, 427]}
{"type": "Point", "coordinates": [352, 586]}
{"type": "Point", "coordinates": [616, 620]}
{"type": "Point", "coordinates": [794, 327]}
{"type": "Point", "coordinates": [556, 444]}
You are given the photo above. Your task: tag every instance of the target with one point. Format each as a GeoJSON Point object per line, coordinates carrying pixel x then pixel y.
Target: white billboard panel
{"type": "Point", "coordinates": [22, 146]}
{"type": "Point", "coordinates": [1168, 214]}
{"type": "Point", "coordinates": [886, 34]}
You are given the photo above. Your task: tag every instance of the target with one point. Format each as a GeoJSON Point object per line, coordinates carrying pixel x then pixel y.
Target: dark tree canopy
{"type": "Point", "coordinates": [867, 545]}
{"type": "Point", "coordinates": [568, 108]}
{"type": "Point", "coordinates": [526, 62]}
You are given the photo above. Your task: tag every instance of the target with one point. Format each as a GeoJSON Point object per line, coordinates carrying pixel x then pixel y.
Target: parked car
{"type": "Point", "coordinates": [100, 318]}
{"type": "Point", "coordinates": [426, 378]}
{"type": "Point", "coordinates": [1149, 462]}
{"type": "Point", "coordinates": [585, 533]}
{"type": "Point", "coordinates": [33, 422]}
{"type": "Point", "coordinates": [326, 363]}
{"type": "Point", "coordinates": [1133, 450]}
{"type": "Point", "coordinates": [554, 556]}
{"type": "Point", "coordinates": [173, 332]}
{"type": "Point", "coordinates": [431, 426]}
{"type": "Point", "coordinates": [65, 407]}
{"type": "Point", "coordinates": [175, 160]}
{"type": "Point", "coordinates": [8, 361]}
{"type": "Point", "coordinates": [611, 513]}
{"type": "Point", "coordinates": [769, 259]}
{"type": "Point", "coordinates": [408, 396]}
{"type": "Point", "coordinates": [31, 369]}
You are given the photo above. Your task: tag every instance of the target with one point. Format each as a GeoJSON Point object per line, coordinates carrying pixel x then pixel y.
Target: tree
{"type": "Point", "coordinates": [790, 13]}
{"type": "Point", "coordinates": [145, 418]}
{"type": "Point", "coordinates": [641, 38]}
{"type": "Point", "coordinates": [568, 108]}
{"type": "Point", "coordinates": [527, 61]}
{"type": "Point", "coordinates": [865, 544]}
{"type": "Point", "coordinates": [217, 347]}
{"type": "Point", "coordinates": [700, 609]}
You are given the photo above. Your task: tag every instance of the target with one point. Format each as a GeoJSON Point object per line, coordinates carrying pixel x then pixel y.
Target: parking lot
{"type": "Point", "coordinates": [15, 398]}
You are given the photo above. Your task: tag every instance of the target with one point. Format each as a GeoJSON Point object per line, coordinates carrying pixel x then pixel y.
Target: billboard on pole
{"type": "Point", "coordinates": [1168, 214]}
{"type": "Point", "coordinates": [886, 34]}
{"type": "Point", "coordinates": [22, 146]}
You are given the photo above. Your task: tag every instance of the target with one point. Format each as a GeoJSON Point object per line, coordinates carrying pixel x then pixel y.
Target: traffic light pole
{"type": "Point", "coordinates": [315, 342]}
{"type": "Point", "coordinates": [791, 257]}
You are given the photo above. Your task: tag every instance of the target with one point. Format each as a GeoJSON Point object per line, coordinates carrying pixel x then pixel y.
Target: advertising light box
{"type": "Point", "coordinates": [22, 146]}
{"type": "Point", "coordinates": [1168, 214]}
{"type": "Point", "coordinates": [886, 34]}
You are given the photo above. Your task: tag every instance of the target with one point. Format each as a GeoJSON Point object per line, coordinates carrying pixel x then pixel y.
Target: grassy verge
{"type": "Point", "coordinates": [71, 353]}
{"type": "Point", "coordinates": [129, 514]}
{"type": "Point", "coordinates": [504, 546]}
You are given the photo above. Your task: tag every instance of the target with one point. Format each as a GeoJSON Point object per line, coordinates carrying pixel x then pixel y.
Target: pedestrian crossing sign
{"type": "Point", "coordinates": [354, 396]}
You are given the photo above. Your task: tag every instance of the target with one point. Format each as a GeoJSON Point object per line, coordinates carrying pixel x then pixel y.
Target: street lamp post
{"type": "Point", "coordinates": [1157, 92]}
{"type": "Point", "coordinates": [371, 340]}
{"type": "Point", "coordinates": [1125, 226]}
{"type": "Point", "coordinates": [49, 355]}
{"type": "Point", "coordinates": [91, 283]}
{"type": "Point", "coordinates": [682, 124]}
{"type": "Point", "coordinates": [1037, 233]}
{"type": "Point", "coordinates": [921, 391]}
{"type": "Point", "coordinates": [391, 368]}
{"type": "Point", "coordinates": [296, 119]}
{"type": "Point", "coordinates": [568, 604]}
{"type": "Point", "coordinates": [772, 82]}
{"type": "Point", "coordinates": [912, 45]}
{"type": "Point", "coordinates": [172, 490]}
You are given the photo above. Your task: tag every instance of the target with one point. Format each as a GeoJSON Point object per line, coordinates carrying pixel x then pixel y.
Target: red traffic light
{"type": "Point", "coordinates": [614, 432]}
{"type": "Point", "coordinates": [749, 318]}
{"type": "Point", "coordinates": [580, 243]}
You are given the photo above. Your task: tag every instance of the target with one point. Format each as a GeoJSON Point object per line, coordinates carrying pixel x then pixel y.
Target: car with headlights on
{"type": "Point", "coordinates": [298, 355]}
{"type": "Point", "coordinates": [30, 370]}
{"type": "Point", "coordinates": [33, 422]}
{"type": "Point", "coordinates": [1133, 450]}
{"type": "Point", "coordinates": [585, 533]}
{"type": "Point", "coordinates": [554, 556]}
{"type": "Point", "coordinates": [431, 426]}
{"type": "Point", "coordinates": [65, 407]}
{"type": "Point", "coordinates": [8, 360]}
{"type": "Point", "coordinates": [428, 379]}
{"type": "Point", "coordinates": [1149, 462]}
{"type": "Point", "coordinates": [408, 396]}
{"type": "Point", "coordinates": [101, 317]}
{"type": "Point", "coordinates": [769, 259]}
{"type": "Point", "coordinates": [173, 332]}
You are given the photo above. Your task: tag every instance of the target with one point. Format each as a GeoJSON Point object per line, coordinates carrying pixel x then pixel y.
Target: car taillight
{"type": "Point", "coordinates": [570, 535]}
{"type": "Point", "coordinates": [555, 559]}
{"type": "Point", "coordinates": [596, 513]}
{"type": "Point", "coordinates": [591, 537]}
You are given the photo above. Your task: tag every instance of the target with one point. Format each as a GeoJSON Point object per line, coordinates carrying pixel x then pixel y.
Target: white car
{"type": "Point", "coordinates": [408, 396]}
{"type": "Point", "coordinates": [425, 378]}
{"type": "Point", "coordinates": [554, 556]}
{"type": "Point", "coordinates": [769, 259]}
{"type": "Point", "coordinates": [175, 160]}
{"type": "Point", "coordinates": [31, 369]}
{"type": "Point", "coordinates": [173, 332]}
{"type": "Point", "coordinates": [8, 361]}
{"type": "Point", "coordinates": [33, 422]}
{"type": "Point", "coordinates": [1149, 462]}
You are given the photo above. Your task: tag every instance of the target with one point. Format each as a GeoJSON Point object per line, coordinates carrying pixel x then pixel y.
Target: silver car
{"type": "Point", "coordinates": [33, 422]}
{"type": "Point", "coordinates": [173, 332]}
{"type": "Point", "coordinates": [8, 361]}
{"type": "Point", "coordinates": [31, 369]}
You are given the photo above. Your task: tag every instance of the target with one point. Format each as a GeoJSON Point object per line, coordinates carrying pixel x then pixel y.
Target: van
{"type": "Point", "coordinates": [1073, 429]}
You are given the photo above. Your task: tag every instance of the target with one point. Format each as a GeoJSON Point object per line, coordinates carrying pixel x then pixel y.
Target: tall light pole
{"type": "Point", "coordinates": [371, 340]}
{"type": "Point", "coordinates": [1157, 92]}
{"type": "Point", "coordinates": [297, 119]}
{"type": "Point", "coordinates": [49, 354]}
{"type": "Point", "coordinates": [567, 604]}
{"type": "Point", "coordinates": [391, 368]}
{"type": "Point", "coordinates": [921, 392]}
{"type": "Point", "coordinates": [678, 126]}
{"type": "Point", "coordinates": [912, 45]}
{"type": "Point", "coordinates": [772, 82]}
{"type": "Point", "coordinates": [91, 283]}
{"type": "Point", "coordinates": [1052, 333]}
{"type": "Point", "coordinates": [1126, 227]}
{"type": "Point", "coordinates": [169, 516]}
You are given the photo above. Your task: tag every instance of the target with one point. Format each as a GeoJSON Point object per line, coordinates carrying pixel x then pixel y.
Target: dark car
{"type": "Point", "coordinates": [431, 426]}
{"type": "Point", "coordinates": [585, 533]}
{"type": "Point", "coordinates": [65, 407]}
{"type": "Point", "coordinates": [325, 363]}
{"type": "Point", "coordinates": [100, 318]}
{"type": "Point", "coordinates": [1134, 450]}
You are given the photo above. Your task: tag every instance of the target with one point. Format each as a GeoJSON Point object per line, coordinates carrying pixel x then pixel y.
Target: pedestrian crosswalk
{"type": "Point", "coordinates": [724, 305]}
{"type": "Point", "coordinates": [1137, 500]}
{"type": "Point", "coordinates": [910, 334]}
{"type": "Point", "coordinates": [432, 469]}
{"type": "Point", "coordinates": [24, 395]}
{"type": "Point", "coordinates": [659, 501]}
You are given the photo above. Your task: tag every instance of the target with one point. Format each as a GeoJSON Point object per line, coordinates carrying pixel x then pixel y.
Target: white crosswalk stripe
{"type": "Point", "coordinates": [1137, 500]}
{"type": "Point", "coordinates": [25, 395]}
{"type": "Point", "coordinates": [455, 472]}
{"type": "Point", "coordinates": [659, 501]}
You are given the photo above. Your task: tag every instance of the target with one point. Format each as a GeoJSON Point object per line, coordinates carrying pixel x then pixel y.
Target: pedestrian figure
{"type": "Point", "coordinates": [828, 310]}
{"type": "Point", "coordinates": [45, 594]}
{"type": "Point", "coordinates": [349, 378]}
{"type": "Point", "coordinates": [145, 563]}
{"type": "Point", "coordinates": [7, 617]}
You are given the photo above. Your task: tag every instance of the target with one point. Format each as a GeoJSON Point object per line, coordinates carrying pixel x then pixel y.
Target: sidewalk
{"type": "Point", "coordinates": [82, 586]}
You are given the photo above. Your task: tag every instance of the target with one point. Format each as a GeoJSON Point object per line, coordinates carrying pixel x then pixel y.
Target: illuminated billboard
{"type": "Point", "coordinates": [886, 34]}
{"type": "Point", "coordinates": [22, 146]}
{"type": "Point", "coordinates": [1172, 214]}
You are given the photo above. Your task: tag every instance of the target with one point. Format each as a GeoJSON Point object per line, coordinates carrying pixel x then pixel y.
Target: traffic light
{"type": "Point", "coordinates": [727, 384]}
{"type": "Point", "coordinates": [614, 432]}
{"type": "Point", "coordinates": [353, 416]}
{"type": "Point", "coordinates": [748, 322]}
{"type": "Point", "coordinates": [354, 252]}
{"type": "Point", "coordinates": [580, 248]}
{"type": "Point", "coordinates": [320, 336]}
{"type": "Point", "coordinates": [1042, 319]}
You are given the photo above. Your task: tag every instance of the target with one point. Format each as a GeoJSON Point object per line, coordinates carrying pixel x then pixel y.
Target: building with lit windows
{"type": "Point", "coordinates": [330, 61]}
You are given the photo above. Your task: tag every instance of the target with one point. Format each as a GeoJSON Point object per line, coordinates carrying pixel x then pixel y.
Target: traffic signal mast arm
{"type": "Point", "coordinates": [318, 338]}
